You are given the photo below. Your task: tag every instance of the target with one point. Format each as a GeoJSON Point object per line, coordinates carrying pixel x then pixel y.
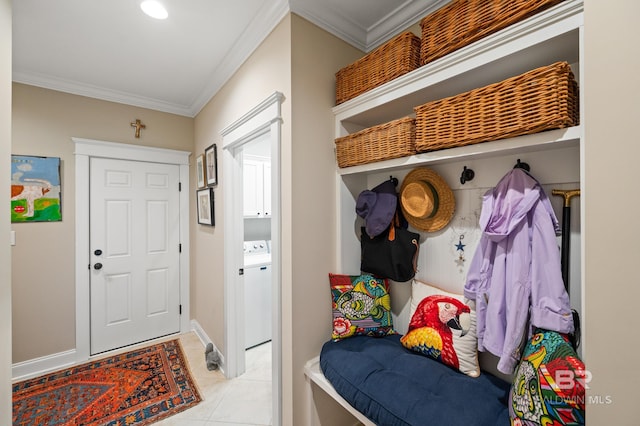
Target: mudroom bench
{"type": "Point", "coordinates": [377, 379]}
{"type": "Point", "coordinates": [380, 382]}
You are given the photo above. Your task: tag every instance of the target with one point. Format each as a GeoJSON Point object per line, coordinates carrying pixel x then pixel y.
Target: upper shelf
{"type": "Point", "coordinates": [550, 36]}
{"type": "Point", "coordinates": [550, 139]}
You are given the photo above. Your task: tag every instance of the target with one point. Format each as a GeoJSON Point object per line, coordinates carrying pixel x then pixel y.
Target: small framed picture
{"type": "Point", "coordinates": [211, 160]}
{"type": "Point", "coordinates": [200, 171]}
{"type": "Point", "coordinates": [205, 206]}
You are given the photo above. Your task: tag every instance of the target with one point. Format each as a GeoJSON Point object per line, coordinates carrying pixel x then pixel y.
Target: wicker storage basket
{"type": "Point", "coordinates": [541, 99]}
{"type": "Point", "coordinates": [465, 21]}
{"type": "Point", "coordinates": [396, 57]}
{"type": "Point", "coordinates": [391, 140]}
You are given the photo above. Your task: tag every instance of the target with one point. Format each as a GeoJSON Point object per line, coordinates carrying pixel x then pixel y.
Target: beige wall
{"type": "Point", "coordinates": [266, 71]}
{"type": "Point", "coordinates": [316, 56]}
{"type": "Point", "coordinates": [5, 249]}
{"type": "Point", "coordinates": [44, 121]}
{"type": "Point", "coordinates": [612, 150]}
{"type": "Point", "coordinates": [299, 60]}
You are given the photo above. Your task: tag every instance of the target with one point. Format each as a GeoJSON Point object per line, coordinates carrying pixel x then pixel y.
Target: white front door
{"type": "Point", "coordinates": [134, 242]}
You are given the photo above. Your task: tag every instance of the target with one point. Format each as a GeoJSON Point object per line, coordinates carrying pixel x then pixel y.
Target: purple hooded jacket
{"type": "Point", "coordinates": [515, 275]}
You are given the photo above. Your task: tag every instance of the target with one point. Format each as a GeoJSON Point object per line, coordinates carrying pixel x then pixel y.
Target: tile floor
{"type": "Point", "coordinates": [243, 401]}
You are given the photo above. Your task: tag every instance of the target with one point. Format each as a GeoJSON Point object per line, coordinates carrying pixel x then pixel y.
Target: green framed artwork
{"type": "Point", "coordinates": [35, 189]}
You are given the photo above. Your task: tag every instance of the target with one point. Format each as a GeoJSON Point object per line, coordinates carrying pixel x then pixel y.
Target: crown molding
{"type": "Point", "coordinates": [365, 39]}
{"type": "Point", "coordinates": [265, 21]}
{"type": "Point", "coordinates": [256, 32]}
{"type": "Point", "coordinates": [91, 91]}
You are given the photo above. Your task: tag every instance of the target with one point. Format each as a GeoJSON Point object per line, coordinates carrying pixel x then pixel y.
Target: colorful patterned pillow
{"type": "Point", "coordinates": [443, 327]}
{"type": "Point", "coordinates": [361, 306]}
{"type": "Point", "coordinates": [548, 386]}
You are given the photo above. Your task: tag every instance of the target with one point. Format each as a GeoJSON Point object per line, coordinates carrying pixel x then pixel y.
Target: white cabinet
{"type": "Point", "coordinates": [257, 187]}
{"type": "Point", "coordinates": [550, 36]}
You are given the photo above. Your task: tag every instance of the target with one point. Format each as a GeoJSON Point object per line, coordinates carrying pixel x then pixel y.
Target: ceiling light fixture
{"type": "Point", "coordinates": [154, 9]}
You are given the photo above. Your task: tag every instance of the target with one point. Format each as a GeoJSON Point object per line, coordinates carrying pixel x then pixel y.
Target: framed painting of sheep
{"type": "Point", "coordinates": [35, 189]}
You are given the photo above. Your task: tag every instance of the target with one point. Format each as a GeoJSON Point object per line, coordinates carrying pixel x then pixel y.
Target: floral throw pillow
{"type": "Point", "coordinates": [361, 306]}
{"type": "Point", "coordinates": [443, 327]}
{"type": "Point", "coordinates": [548, 386]}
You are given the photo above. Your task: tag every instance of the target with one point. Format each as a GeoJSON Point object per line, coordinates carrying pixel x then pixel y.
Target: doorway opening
{"type": "Point", "coordinates": [261, 123]}
{"type": "Point", "coordinates": [258, 280]}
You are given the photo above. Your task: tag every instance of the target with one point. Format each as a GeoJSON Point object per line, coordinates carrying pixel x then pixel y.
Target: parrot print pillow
{"type": "Point", "coordinates": [548, 386]}
{"type": "Point", "coordinates": [361, 306]}
{"type": "Point", "coordinates": [443, 327]}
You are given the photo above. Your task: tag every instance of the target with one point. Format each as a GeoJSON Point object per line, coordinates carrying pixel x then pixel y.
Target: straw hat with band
{"type": "Point", "coordinates": [426, 200]}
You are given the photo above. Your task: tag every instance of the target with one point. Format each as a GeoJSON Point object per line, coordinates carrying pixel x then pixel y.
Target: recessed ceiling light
{"type": "Point", "coordinates": [154, 9]}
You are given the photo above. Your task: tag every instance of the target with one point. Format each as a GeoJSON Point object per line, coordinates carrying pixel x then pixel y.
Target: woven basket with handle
{"type": "Point", "coordinates": [390, 140]}
{"type": "Point", "coordinates": [398, 56]}
{"type": "Point", "coordinates": [462, 22]}
{"type": "Point", "coordinates": [541, 99]}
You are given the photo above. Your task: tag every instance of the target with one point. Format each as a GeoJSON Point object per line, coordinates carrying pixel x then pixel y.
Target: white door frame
{"type": "Point", "coordinates": [264, 119]}
{"type": "Point", "coordinates": [84, 150]}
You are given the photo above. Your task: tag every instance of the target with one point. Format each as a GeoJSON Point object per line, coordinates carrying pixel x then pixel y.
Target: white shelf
{"type": "Point", "coordinates": [543, 141]}
{"type": "Point", "coordinates": [547, 37]}
{"type": "Point", "coordinates": [314, 373]}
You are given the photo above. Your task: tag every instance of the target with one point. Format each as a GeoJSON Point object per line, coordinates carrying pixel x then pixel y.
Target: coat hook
{"type": "Point", "coordinates": [394, 180]}
{"type": "Point", "coordinates": [467, 175]}
{"type": "Point", "coordinates": [522, 165]}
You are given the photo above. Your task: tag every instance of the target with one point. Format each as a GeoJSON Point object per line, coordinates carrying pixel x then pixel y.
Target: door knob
{"type": "Point", "coordinates": [97, 266]}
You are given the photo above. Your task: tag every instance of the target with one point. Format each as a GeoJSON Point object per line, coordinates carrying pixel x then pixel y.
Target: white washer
{"type": "Point", "coordinates": [256, 252]}
{"type": "Point", "coordinates": [257, 293]}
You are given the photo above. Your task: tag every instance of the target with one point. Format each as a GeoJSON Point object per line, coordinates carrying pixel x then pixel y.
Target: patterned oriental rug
{"type": "Point", "coordinates": [134, 388]}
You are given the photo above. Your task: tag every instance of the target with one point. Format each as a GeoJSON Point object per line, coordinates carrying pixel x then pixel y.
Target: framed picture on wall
{"type": "Point", "coordinates": [211, 160]}
{"type": "Point", "coordinates": [200, 171]}
{"type": "Point", "coordinates": [204, 200]}
{"type": "Point", "coordinates": [35, 189]}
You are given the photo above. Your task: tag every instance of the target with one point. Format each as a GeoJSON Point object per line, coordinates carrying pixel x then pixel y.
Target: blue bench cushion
{"type": "Point", "coordinates": [393, 386]}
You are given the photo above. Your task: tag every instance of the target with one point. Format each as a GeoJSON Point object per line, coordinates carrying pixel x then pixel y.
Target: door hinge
{"type": "Point", "coordinates": [180, 248]}
{"type": "Point", "coordinates": [180, 310]}
{"type": "Point", "coordinates": [179, 186]}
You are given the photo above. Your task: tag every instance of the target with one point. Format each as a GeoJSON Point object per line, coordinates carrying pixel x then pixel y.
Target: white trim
{"type": "Point", "coordinates": [43, 365]}
{"type": "Point", "coordinates": [83, 314]}
{"type": "Point", "coordinates": [123, 151]}
{"type": "Point", "coordinates": [253, 122]}
{"type": "Point", "coordinates": [38, 366]}
{"type": "Point", "coordinates": [84, 150]}
{"type": "Point", "coordinates": [47, 364]}
{"type": "Point", "coordinates": [205, 340]}
{"type": "Point", "coordinates": [265, 118]}
{"type": "Point", "coordinates": [92, 91]}
{"type": "Point", "coordinates": [582, 349]}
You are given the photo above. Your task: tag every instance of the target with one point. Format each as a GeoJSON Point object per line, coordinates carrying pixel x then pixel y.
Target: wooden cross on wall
{"type": "Point", "coordinates": [138, 125]}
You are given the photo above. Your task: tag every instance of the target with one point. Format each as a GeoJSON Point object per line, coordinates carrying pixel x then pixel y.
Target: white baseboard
{"type": "Point", "coordinates": [39, 366]}
{"type": "Point", "coordinates": [43, 365]}
{"type": "Point", "coordinates": [197, 328]}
